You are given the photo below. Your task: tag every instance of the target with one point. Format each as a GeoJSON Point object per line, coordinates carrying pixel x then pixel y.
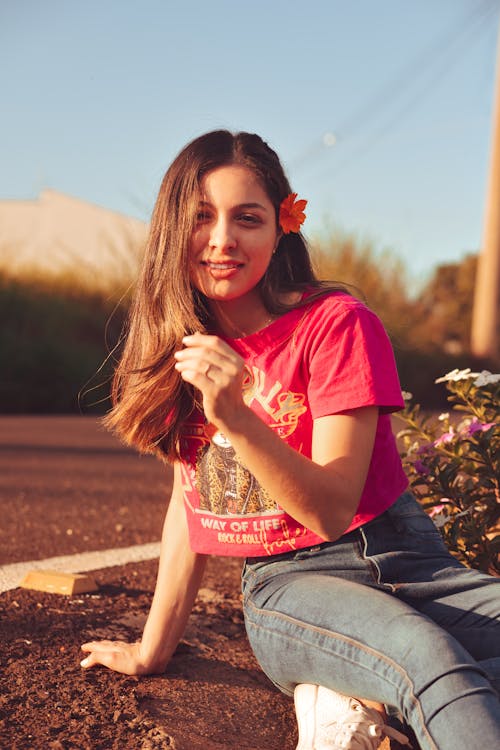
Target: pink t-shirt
{"type": "Point", "coordinates": [325, 358]}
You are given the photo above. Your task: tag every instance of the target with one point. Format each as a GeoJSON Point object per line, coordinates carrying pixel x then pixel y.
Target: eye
{"type": "Point", "coordinates": [202, 216]}
{"type": "Point", "coordinates": [249, 219]}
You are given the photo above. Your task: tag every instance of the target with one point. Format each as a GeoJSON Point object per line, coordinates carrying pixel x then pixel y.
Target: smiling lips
{"type": "Point", "coordinates": [223, 268]}
{"type": "Point", "coordinates": [221, 264]}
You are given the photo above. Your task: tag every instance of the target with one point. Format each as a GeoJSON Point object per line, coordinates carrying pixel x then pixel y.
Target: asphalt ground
{"type": "Point", "coordinates": [68, 486]}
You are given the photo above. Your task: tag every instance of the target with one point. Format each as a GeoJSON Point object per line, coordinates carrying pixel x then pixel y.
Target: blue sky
{"type": "Point", "coordinates": [99, 96]}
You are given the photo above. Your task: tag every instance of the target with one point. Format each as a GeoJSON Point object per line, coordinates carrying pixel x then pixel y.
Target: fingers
{"type": "Point", "coordinates": [105, 659]}
{"type": "Point", "coordinates": [209, 349]}
{"type": "Point", "coordinates": [207, 358]}
{"type": "Point", "coordinates": [89, 661]}
{"type": "Point", "coordinates": [115, 655]}
{"type": "Point", "coordinates": [97, 650]}
{"type": "Point", "coordinates": [216, 370]}
{"type": "Point", "coordinates": [102, 645]}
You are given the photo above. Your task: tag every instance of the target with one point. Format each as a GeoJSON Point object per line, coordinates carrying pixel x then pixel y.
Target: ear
{"type": "Point", "coordinates": [279, 235]}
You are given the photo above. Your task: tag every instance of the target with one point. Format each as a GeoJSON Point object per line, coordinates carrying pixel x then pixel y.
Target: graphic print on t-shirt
{"type": "Point", "coordinates": [225, 486]}
{"type": "Point", "coordinates": [284, 407]}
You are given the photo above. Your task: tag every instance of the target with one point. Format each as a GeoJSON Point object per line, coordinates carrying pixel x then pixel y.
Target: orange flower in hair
{"type": "Point", "coordinates": [292, 213]}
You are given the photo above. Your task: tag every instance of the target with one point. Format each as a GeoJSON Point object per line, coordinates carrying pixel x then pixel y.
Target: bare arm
{"type": "Point", "coordinates": [179, 576]}
{"type": "Point", "coordinates": [323, 492]}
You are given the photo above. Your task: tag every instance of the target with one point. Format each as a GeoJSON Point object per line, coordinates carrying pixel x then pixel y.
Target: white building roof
{"type": "Point", "coordinates": [58, 234]}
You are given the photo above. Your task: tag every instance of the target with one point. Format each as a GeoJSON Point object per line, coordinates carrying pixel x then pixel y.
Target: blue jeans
{"type": "Point", "coordinates": [385, 613]}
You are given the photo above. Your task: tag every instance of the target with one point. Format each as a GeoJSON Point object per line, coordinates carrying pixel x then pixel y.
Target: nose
{"type": "Point", "coordinates": [222, 235]}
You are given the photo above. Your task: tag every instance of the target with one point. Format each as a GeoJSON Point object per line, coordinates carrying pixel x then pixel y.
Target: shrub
{"type": "Point", "coordinates": [52, 342]}
{"type": "Point", "coordinates": [453, 464]}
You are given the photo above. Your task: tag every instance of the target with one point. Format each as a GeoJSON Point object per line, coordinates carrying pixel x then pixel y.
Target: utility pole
{"type": "Point", "coordinates": [485, 313]}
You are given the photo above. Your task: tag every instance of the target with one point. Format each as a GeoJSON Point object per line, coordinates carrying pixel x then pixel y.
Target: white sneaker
{"type": "Point", "coordinates": [330, 721]}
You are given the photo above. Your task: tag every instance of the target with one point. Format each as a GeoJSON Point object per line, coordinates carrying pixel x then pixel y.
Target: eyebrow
{"type": "Point", "coordinates": [240, 206]}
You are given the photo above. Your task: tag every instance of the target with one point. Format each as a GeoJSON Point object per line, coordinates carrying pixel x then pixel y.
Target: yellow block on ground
{"type": "Point", "coordinates": [58, 583]}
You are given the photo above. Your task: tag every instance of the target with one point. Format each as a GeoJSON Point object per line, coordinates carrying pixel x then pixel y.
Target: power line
{"type": "Point", "coordinates": [433, 62]}
{"type": "Point", "coordinates": [385, 128]}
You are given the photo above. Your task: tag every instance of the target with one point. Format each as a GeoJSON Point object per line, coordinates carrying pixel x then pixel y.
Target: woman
{"type": "Point", "coordinates": [271, 394]}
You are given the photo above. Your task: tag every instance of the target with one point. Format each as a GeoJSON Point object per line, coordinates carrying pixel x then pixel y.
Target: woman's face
{"type": "Point", "coordinates": [235, 234]}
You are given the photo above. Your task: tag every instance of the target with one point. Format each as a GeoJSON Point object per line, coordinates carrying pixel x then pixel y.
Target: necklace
{"type": "Point", "coordinates": [227, 326]}
{"type": "Point", "coordinates": [240, 333]}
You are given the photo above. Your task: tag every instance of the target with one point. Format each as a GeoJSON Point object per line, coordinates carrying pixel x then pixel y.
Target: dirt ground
{"type": "Point", "coordinates": [67, 487]}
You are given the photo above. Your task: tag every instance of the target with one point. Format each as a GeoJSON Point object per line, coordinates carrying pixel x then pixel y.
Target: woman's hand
{"type": "Point", "coordinates": [216, 370]}
{"type": "Point", "coordinates": [118, 656]}
{"type": "Point", "coordinates": [180, 572]}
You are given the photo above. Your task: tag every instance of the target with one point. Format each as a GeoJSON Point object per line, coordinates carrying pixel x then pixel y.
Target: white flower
{"type": "Point", "coordinates": [443, 417]}
{"type": "Point", "coordinates": [407, 396]}
{"type": "Point", "coordinates": [485, 378]}
{"type": "Point", "coordinates": [456, 375]}
{"type": "Point", "coordinates": [440, 519]}
{"type": "Point", "coordinates": [464, 424]}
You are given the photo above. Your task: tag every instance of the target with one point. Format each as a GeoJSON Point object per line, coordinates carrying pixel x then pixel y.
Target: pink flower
{"type": "Point", "coordinates": [439, 508]}
{"type": "Point", "coordinates": [477, 426]}
{"type": "Point", "coordinates": [421, 468]}
{"type": "Point", "coordinates": [425, 449]}
{"type": "Point", "coordinates": [446, 437]}
{"type": "Point", "coordinates": [436, 510]}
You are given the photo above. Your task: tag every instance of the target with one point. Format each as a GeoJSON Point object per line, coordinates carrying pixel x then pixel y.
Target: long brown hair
{"type": "Point", "coordinates": [150, 400]}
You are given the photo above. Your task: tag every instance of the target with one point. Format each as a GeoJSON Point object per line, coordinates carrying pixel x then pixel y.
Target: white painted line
{"type": "Point", "coordinates": [12, 575]}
